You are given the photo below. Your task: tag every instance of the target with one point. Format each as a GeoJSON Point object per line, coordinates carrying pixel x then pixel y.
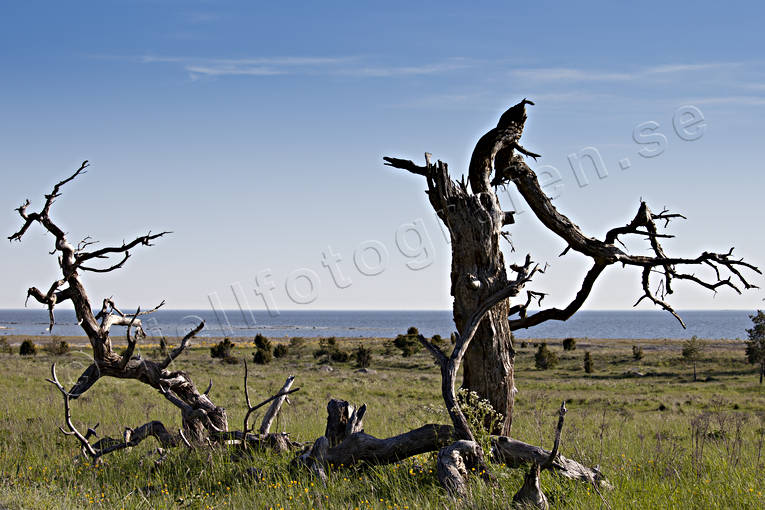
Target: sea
{"type": "Point", "coordinates": [711, 324]}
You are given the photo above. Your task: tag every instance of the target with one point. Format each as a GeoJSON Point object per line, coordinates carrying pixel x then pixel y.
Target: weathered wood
{"type": "Point", "coordinates": [362, 447]}
{"type": "Point", "coordinates": [514, 453]}
{"type": "Point", "coordinates": [131, 437]}
{"type": "Point", "coordinates": [276, 405]}
{"type": "Point", "coordinates": [530, 494]}
{"type": "Point", "coordinates": [176, 385]}
{"type": "Point", "coordinates": [454, 464]}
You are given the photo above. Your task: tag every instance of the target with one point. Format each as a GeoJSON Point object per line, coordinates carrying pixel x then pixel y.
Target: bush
{"type": "Point", "coordinates": [222, 350]}
{"type": "Point", "coordinates": [5, 347]}
{"type": "Point", "coordinates": [263, 350]}
{"type": "Point", "coordinates": [438, 341]}
{"type": "Point", "coordinates": [262, 342]}
{"type": "Point", "coordinates": [363, 356]}
{"type": "Point", "coordinates": [588, 362]}
{"type": "Point", "coordinates": [637, 353]}
{"type": "Point", "coordinates": [524, 345]}
{"type": "Point", "coordinates": [453, 338]}
{"type": "Point", "coordinates": [57, 347]}
{"type": "Point", "coordinates": [569, 344]}
{"type": "Point", "coordinates": [297, 343]}
{"type": "Point", "coordinates": [231, 360]}
{"type": "Point", "coordinates": [28, 348]}
{"type": "Point", "coordinates": [339, 356]}
{"type": "Point", "coordinates": [545, 358]}
{"type": "Point", "coordinates": [262, 357]}
{"type": "Point", "coordinates": [408, 344]}
{"type": "Point", "coordinates": [280, 351]}
{"type": "Point", "coordinates": [328, 348]}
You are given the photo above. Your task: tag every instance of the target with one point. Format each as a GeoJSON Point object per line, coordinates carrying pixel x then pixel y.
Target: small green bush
{"type": "Point", "coordinates": [57, 347]}
{"type": "Point", "coordinates": [339, 356]}
{"type": "Point", "coordinates": [588, 362]}
{"type": "Point", "coordinates": [326, 347]}
{"type": "Point", "coordinates": [408, 344]}
{"type": "Point", "coordinates": [222, 350]}
{"type": "Point", "coordinates": [280, 351]}
{"type": "Point", "coordinates": [438, 341]}
{"type": "Point", "coordinates": [524, 345]}
{"type": "Point", "coordinates": [329, 350]}
{"type": "Point", "coordinates": [262, 342]}
{"type": "Point", "coordinates": [545, 358]}
{"type": "Point", "coordinates": [262, 357]}
{"type": "Point", "coordinates": [363, 356]}
{"type": "Point", "coordinates": [5, 347]}
{"type": "Point", "coordinates": [569, 344]}
{"type": "Point", "coordinates": [28, 348]}
{"type": "Point", "coordinates": [637, 353]}
{"type": "Point", "coordinates": [297, 343]}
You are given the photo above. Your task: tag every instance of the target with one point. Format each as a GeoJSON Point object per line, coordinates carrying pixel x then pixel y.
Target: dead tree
{"type": "Point", "coordinates": [476, 222]}
{"type": "Point", "coordinates": [200, 415]}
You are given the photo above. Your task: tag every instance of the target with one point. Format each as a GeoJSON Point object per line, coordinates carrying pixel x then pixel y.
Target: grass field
{"type": "Point", "coordinates": [661, 439]}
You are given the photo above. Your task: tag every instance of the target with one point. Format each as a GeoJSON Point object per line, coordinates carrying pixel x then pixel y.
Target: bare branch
{"type": "Point", "coordinates": [86, 446]}
{"type": "Point", "coordinates": [184, 342]}
{"type": "Point", "coordinates": [131, 341]}
{"type": "Point", "coordinates": [42, 216]}
{"type": "Point", "coordinates": [103, 252]}
{"type": "Point", "coordinates": [107, 269]}
{"type": "Point", "coordinates": [276, 406]}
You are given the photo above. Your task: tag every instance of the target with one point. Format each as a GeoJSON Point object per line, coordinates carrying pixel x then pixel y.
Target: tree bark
{"type": "Point", "coordinates": [478, 268]}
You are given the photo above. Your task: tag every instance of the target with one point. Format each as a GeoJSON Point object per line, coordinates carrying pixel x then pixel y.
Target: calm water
{"type": "Point", "coordinates": [595, 324]}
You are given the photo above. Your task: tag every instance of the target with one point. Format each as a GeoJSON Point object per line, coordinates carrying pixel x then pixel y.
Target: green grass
{"type": "Point", "coordinates": [614, 421]}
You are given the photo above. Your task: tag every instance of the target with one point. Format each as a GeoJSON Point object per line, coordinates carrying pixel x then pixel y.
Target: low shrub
{"type": "Point", "coordinates": [5, 347]}
{"type": "Point", "coordinates": [588, 362]}
{"type": "Point", "coordinates": [363, 356]}
{"type": "Point", "coordinates": [262, 357]}
{"type": "Point", "coordinates": [280, 351]}
{"type": "Point", "coordinates": [545, 358]}
{"type": "Point", "coordinates": [222, 349]}
{"type": "Point", "coordinates": [408, 344]}
{"type": "Point", "coordinates": [569, 344]}
{"type": "Point", "coordinates": [328, 349]}
{"type": "Point", "coordinates": [57, 347]}
{"type": "Point", "coordinates": [297, 343]}
{"type": "Point", "coordinates": [28, 348]}
{"type": "Point", "coordinates": [637, 353]}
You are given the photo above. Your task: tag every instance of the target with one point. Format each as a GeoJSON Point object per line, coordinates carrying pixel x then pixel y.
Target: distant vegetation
{"type": "Point", "coordinates": [27, 348]}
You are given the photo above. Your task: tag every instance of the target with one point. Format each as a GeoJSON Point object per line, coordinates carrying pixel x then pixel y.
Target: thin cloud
{"type": "Point", "coordinates": [564, 73]}
{"type": "Point", "coordinates": [269, 66]}
{"type": "Point", "coordinates": [738, 100]}
{"type": "Point", "coordinates": [574, 74]}
{"type": "Point", "coordinates": [234, 70]}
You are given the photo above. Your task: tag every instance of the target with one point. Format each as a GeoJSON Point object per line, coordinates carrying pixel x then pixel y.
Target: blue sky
{"type": "Point", "coordinates": [255, 132]}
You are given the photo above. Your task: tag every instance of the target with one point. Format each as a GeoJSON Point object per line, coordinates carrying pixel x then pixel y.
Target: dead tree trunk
{"type": "Point", "coordinates": [475, 221]}
{"type": "Point", "coordinates": [200, 415]}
